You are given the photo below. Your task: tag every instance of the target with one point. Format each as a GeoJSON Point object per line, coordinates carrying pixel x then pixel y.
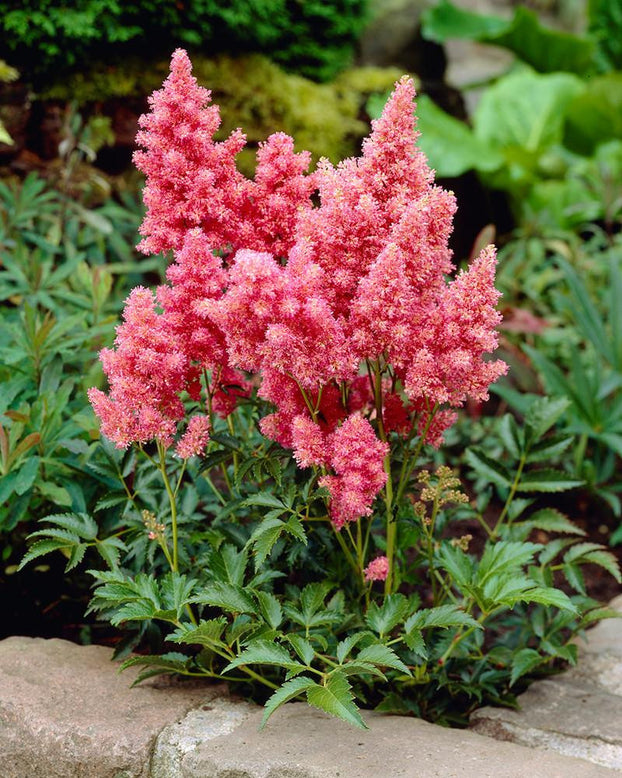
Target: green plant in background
{"type": "Point", "coordinates": [63, 269]}
{"type": "Point", "coordinates": [7, 74]}
{"type": "Point", "coordinates": [537, 130]}
{"type": "Point", "coordinates": [544, 49]}
{"type": "Point", "coordinates": [314, 38]}
{"type": "Point", "coordinates": [605, 26]}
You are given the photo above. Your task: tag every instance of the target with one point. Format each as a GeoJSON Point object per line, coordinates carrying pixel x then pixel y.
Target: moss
{"type": "Point", "coordinates": [255, 94]}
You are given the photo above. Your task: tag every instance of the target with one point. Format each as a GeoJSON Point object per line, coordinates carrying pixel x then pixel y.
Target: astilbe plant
{"type": "Point", "coordinates": [312, 299]}
{"type": "Point", "coordinates": [317, 344]}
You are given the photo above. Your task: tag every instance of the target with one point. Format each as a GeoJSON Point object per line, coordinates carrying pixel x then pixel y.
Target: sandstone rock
{"type": "Point", "coordinates": [66, 712]}
{"type": "Point", "coordinates": [299, 742]}
{"type": "Point", "coordinates": [578, 713]}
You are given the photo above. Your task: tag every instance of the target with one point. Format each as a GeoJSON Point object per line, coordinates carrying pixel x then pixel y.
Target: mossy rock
{"type": "Point", "coordinates": [254, 94]}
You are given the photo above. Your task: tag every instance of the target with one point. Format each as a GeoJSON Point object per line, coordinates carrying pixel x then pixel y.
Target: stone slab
{"type": "Point", "coordinates": [66, 712]}
{"type": "Point", "coordinates": [578, 713]}
{"type": "Point", "coordinates": [299, 742]}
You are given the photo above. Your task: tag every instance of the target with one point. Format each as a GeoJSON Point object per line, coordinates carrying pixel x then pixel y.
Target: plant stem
{"type": "Point", "coordinates": [375, 376]}
{"type": "Point", "coordinates": [410, 460]}
{"type": "Point", "coordinates": [235, 453]}
{"type": "Point", "coordinates": [172, 504]}
{"type": "Point", "coordinates": [508, 502]}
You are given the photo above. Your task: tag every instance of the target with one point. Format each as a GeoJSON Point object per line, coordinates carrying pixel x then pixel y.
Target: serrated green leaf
{"type": "Point", "coordinates": [40, 548]}
{"type": "Point", "coordinates": [270, 608]}
{"type": "Point", "coordinates": [523, 662]}
{"type": "Point", "coordinates": [264, 538]}
{"type": "Point", "coordinates": [295, 528]}
{"type": "Point", "coordinates": [378, 654]}
{"type": "Point", "coordinates": [136, 610]}
{"type": "Point", "coordinates": [264, 652]}
{"type": "Point", "coordinates": [548, 480]}
{"type": "Point", "coordinates": [172, 662]}
{"type": "Point", "coordinates": [574, 576]}
{"type": "Point", "coordinates": [240, 626]}
{"type": "Point", "coordinates": [208, 633]}
{"type": "Point", "coordinates": [81, 523]}
{"type": "Point", "coordinates": [548, 448]}
{"type": "Point", "coordinates": [542, 415]}
{"type": "Point", "coordinates": [109, 549]}
{"type": "Point", "coordinates": [457, 563]}
{"type": "Point", "coordinates": [382, 619]}
{"type": "Point", "coordinates": [336, 698]}
{"type": "Point", "coordinates": [597, 555]}
{"type": "Point", "coordinates": [302, 647]}
{"type": "Point", "coordinates": [552, 520]}
{"type": "Point", "coordinates": [347, 644]}
{"type": "Point", "coordinates": [288, 691]}
{"type": "Point", "coordinates": [443, 616]}
{"type": "Point", "coordinates": [511, 435]}
{"type": "Point", "coordinates": [549, 596]}
{"type": "Point", "coordinates": [488, 468]}
{"type": "Point", "coordinates": [355, 667]}
{"type": "Point", "coordinates": [229, 597]}
{"type": "Point", "coordinates": [504, 557]}
{"type": "Point", "coordinates": [552, 549]}
{"type": "Point", "coordinates": [265, 500]}
{"type": "Point", "coordinates": [312, 599]}
{"type": "Point", "coordinates": [76, 556]}
{"type": "Point", "coordinates": [415, 642]}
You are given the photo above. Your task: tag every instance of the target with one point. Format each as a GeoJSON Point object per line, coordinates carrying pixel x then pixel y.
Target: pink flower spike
{"type": "Point", "coordinates": [377, 569]}
{"type": "Point", "coordinates": [195, 438]}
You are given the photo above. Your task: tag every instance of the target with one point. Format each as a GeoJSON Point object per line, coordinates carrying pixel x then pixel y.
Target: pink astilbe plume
{"type": "Point", "coordinates": [377, 569]}
{"type": "Point", "coordinates": [146, 373]}
{"type": "Point", "coordinates": [195, 276]}
{"type": "Point", "coordinates": [280, 192]}
{"type": "Point", "coordinates": [277, 318]}
{"type": "Point", "coordinates": [356, 456]}
{"type": "Point", "coordinates": [195, 439]}
{"type": "Point", "coordinates": [446, 362]}
{"type": "Point", "coordinates": [192, 180]}
{"type": "Point", "coordinates": [345, 311]}
{"type": "Point", "coordinates": [363, 198]}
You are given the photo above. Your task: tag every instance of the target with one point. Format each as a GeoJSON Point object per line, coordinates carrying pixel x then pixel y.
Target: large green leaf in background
{"type": "Point", "coordinates": [450, 145]}
{"type": "Point", "coordinates": [522, 116]}
{"type": "Point", "coordinates": [546, 50]}
{"type": "Point", "coordinates": [595, 115]}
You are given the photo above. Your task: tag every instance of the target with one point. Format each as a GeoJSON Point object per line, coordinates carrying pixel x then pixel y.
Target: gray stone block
{"type": "Point", "coordinates": [66, 712]}
{"type": "Point", "coordinates": [299, 742]}
{"type": "Point", "coordinates": [577, 713]}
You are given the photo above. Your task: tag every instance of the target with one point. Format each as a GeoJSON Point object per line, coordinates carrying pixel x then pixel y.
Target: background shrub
{"type": "Point", "coordinates": [312, 37]}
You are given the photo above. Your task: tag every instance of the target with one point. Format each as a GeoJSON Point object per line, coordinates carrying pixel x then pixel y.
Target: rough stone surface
{"type": "Point", "coordinates": [578, 713]}
{"type": "Point", "coordinates": [66, 712]}
{"type": "Point", "coordinates": [299, 742]}
{"type": "Point", "coordinates": [217, 719]}
{"type": "Point", "coordinates": [392, 33]}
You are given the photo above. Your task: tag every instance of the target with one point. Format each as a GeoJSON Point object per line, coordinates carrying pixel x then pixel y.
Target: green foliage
{"type": "Point", "coordinates": [544, 49]}
{"type": "Point", "coordinates": [540, 131]}
{"type": "Point", "coordinates": [270, 616]}
{"type": "Point", "coordinates": [255, 93]}
{"type": "Point", "coordinates": [605, 26]}
{"type": "Point", "coordinates": [314, 38]}
{"type": "Point", "coordinates": [61, 269]}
